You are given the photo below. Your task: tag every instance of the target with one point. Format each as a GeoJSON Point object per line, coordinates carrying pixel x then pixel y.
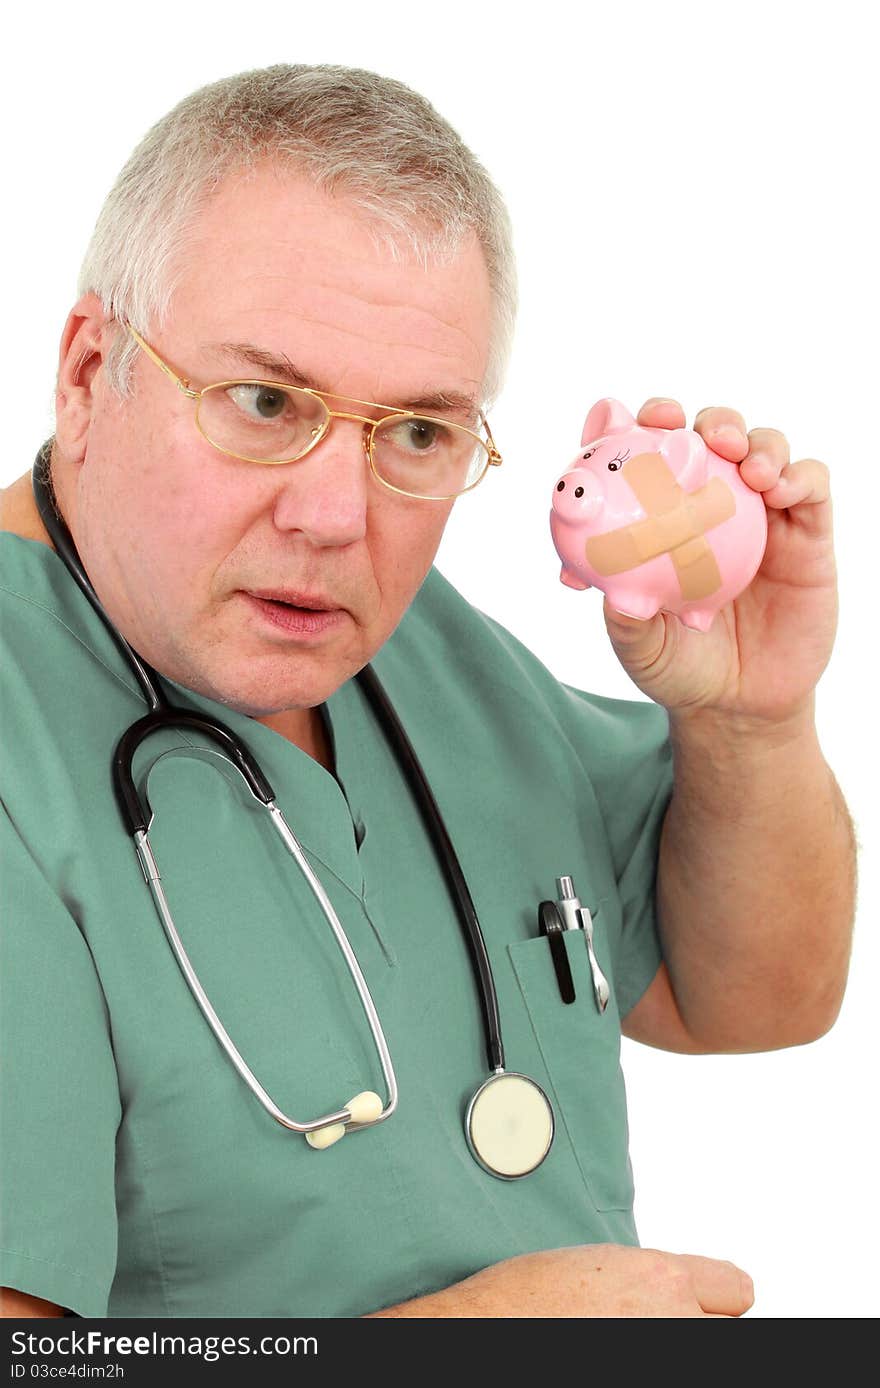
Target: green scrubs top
{"type": "Point", "coordinates": [140, 1175]}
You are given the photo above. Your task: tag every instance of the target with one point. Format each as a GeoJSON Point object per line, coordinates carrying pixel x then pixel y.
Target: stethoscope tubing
{"type": "Point", "coordinates": [446, 857]}
{"type": "Point", "coordinates": [153, 879]}
{"type": "Point", "coordinates": [62, 539]}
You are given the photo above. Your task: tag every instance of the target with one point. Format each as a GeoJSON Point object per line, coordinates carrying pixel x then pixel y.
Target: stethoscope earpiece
{"type": "Point", "coordinates": [363, 1108]}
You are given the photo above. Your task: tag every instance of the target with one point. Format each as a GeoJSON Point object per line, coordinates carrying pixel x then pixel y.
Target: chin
{"type": "Point", "coordinates": [259, 695]}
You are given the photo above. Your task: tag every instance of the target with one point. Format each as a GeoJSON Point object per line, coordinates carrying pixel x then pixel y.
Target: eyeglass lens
{"type": "Point", "coordinates": [270, 423]}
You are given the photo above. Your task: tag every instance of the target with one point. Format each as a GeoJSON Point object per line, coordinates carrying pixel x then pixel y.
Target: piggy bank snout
{"type": "Point", "coordinates": [577, 496]}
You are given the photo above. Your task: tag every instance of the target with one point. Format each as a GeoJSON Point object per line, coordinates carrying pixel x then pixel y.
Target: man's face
{"type": "Point", "coordinates": [175, 535]}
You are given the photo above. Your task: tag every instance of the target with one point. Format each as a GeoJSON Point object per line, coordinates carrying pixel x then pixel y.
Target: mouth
{"type": "Point", "coordinates": [302, 616]}
{"type": "Point", "coordinates": [287, 597]}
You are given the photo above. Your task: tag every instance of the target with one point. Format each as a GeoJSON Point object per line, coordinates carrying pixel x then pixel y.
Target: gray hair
{"type": "Point", "coordinates": [371, 138]}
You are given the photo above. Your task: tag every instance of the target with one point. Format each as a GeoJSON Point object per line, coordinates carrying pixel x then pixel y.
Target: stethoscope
{"type": "Point", "coordinates": [509, 1122]}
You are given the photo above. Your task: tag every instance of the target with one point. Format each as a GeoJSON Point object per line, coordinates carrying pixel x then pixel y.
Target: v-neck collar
{"type": "Point", "coordinates": [315, 803]}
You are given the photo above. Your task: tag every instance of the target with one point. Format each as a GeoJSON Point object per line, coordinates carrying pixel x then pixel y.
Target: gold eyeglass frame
{"type": "Point", "coordinates": [494, 458]}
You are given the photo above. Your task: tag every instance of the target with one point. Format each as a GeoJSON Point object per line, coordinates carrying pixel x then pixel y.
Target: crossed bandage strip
{"type": "Point", "coordinates": [676, 525]}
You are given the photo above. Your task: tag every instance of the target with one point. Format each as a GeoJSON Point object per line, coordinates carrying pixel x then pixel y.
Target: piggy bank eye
{"type": "Point", "coordinates": [618, 462]}
{"type": "Point", "coordinates": [589, 453]}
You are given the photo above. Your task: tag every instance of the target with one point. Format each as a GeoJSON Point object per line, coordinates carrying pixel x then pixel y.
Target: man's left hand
{"type": "Point", "coordinates": [764, 653]}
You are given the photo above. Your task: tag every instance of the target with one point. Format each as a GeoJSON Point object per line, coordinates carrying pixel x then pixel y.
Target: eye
{"type": "Point", "coordinates": [416, 435]}
{"type": "Point", "coordinates": [618, 462]}
{"type": "Point", "coordinates": [260, 403]}
{"type": "Point", "coordinates": [589, 453]}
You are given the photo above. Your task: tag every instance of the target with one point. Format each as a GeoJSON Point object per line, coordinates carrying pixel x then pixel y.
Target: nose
{"type": "Point", "coordinates": [325, 495]}
{"type": "Point", "coordinates": [577, 495]}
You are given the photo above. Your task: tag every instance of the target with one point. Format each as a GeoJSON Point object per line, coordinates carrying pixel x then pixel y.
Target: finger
{"type": "Point", "coordinates": [719, 1286]}
{"type": "Point", "coordinates": [724, 430]}
{"type": "Point", "coordinates": [628, 627]}
{"type": "Point", "coordinates": [768, 454]}
{"type": "Point", "coordinates": [806, 482]}
{"type": "Point", "coordinates": [661, 412]}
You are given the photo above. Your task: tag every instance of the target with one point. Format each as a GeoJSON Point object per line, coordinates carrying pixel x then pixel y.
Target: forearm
{"type": "Point", "coordinates": [445, 1305]}
{"type": "Point", "coordinates": [526, 1285]}
{"type": "Point", "coordinates": [583, 1280]}
{"type": "Point", "coordinates": [756, 882]}
{"type": "Point", "coordinates": [501, 1289]}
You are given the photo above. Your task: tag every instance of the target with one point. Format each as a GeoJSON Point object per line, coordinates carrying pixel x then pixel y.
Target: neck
{"type": "Point", "coordinates": [307, 729]}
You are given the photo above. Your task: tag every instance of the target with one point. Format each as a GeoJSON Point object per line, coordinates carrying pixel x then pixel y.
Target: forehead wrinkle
{"type": "Point", "coordinates": [382, 301]}
{"type": "Point", "coordinates": [370, 336]}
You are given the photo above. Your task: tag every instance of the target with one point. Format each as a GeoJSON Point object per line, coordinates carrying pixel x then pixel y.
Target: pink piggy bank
{"type": "Point", "coordinates": [656, 519]}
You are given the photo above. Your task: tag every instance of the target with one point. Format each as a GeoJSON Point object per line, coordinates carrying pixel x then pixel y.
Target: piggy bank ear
{"type": "Point", "coordinates": [606, 417]}
{"type": "Point", "coordinates": [686, 454]}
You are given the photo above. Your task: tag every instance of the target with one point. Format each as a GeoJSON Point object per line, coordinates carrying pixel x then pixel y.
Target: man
{"type": "Point", "coordinates": [324, 229]}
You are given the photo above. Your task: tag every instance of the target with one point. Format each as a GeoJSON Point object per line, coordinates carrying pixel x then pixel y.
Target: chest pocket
{"type": "Point", "coordinates": [580, 1047]}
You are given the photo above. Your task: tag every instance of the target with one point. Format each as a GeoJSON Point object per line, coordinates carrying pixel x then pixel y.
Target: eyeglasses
{"type": "Point", "coordinates": [268, 422]}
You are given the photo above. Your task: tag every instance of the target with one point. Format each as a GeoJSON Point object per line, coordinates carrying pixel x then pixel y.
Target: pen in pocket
{"type": "Point", "coordinates": [577, 917]}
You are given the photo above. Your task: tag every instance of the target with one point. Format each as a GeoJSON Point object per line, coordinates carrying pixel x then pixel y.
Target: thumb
{"type": "Point", "coordinates": [644, 648]}
{"type": "Point", "coordinates": [632, 634]}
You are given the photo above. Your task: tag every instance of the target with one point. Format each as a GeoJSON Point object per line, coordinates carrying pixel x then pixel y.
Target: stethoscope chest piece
{"type": "Point", "coordinates": [509, 1125]}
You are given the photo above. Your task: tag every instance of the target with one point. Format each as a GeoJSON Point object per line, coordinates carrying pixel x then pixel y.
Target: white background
{"type": "Point", "coordinates": [693, 190]}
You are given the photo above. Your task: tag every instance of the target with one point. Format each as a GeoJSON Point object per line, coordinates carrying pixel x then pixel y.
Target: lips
{"type": "Point", "coordinates": [315, 602]}
{"type": "Point", "coordinates": [296, 621]}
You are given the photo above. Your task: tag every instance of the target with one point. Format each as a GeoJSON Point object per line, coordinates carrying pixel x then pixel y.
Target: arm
{"type": "Point", "coordinates": [756, 876]}
{"type": "Point", "coordinates": [755, 890]}
{"type": "Point", "coordinates": [57, 1203]}
{"type": "Point", "coordinates": [588, 1280]}
{"type": "Point", "coordinates": [19, 1305]}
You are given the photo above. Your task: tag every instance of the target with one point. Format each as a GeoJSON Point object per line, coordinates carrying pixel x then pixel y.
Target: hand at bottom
{"type": "Point", "coordinates": [599, 1279]}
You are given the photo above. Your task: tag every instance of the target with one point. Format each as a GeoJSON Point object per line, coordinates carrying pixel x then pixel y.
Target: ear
{"type": "Point", "coordinates": [686, 452]}
{"type": "Point", "coordinates": [83, 344]}
{"type": "Point", "coordinates": [607, 416]}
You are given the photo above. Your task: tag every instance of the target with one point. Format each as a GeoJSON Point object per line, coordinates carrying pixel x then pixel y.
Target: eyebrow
{"type": "Point", "coordinates": [281, 368]}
